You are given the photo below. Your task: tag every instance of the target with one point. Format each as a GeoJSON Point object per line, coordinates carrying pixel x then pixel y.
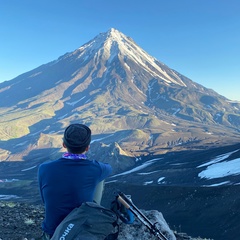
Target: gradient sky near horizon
{"type": "Point", "coordinates": [198, 38]}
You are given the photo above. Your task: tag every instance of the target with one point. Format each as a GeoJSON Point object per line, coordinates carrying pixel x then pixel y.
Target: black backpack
{"type": "Point", "coordinates": [90, 221]}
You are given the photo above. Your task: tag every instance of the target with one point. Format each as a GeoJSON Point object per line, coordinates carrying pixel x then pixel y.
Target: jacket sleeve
{"type": "Point", "coordinates": [106, 170]}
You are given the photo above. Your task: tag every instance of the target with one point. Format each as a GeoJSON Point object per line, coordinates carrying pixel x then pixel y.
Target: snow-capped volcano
{"type": "Point", "coordinates": [114, 86]}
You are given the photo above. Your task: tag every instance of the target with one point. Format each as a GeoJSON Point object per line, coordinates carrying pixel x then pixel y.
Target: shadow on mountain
{"type": "Point", "coordinates": [212, 212]}
{"type": "Point", "coordinates": [36, 81]}
{"type": "Point", "coordinates": [19, 178]}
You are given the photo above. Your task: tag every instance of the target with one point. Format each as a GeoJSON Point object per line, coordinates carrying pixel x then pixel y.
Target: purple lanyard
{"type": "Point", "coordinates": [74, 156]}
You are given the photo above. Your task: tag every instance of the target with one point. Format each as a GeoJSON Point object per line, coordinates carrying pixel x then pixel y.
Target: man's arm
{"type": "Point", "coordinates": [40, 182]}
{"type": "Point", "coordinates": [106, 170]}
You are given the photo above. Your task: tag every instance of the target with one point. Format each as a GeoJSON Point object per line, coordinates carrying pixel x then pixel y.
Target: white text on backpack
{"type": "Point", "coordinates": [66, 231]}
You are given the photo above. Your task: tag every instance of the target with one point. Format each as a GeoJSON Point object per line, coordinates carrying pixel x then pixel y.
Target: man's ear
{"type": "Point", "coordinates": [64, 145]}
{"type": "Point", "coordinates": [87, 148]}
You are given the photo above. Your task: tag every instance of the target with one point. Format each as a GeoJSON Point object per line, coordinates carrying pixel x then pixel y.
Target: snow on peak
{"type": "Point", "coordinates": [114, 34]}
{"type": "Point", "coordinates": [111, 44]}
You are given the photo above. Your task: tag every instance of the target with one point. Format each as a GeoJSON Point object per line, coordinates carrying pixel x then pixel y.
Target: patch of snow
{"type": "Point", "coordinates": [222, 169]}
{"type": "Point", "coordinates": [87, 101]}
{"type": "Point", "coordinates": [143, 112]}
{"type": "Point", "coordinates": [99, 139]}
{"type": "Point", "coordinates": [144, 165]}
{"type": "Point", "coordinates": [113, 181]}
{"type": "Point", "coordinates": [20, 144]}
{"type": "Point", "coordinates": [133, 170]}
{"type": "Point", "coordinates": [127, 66]}
{"type": "Point", "coordinates": [217, 159]}
{"type": "Point", "coordinates": [62, 117]}
{"type": "Point", "coordinates": [9, 180]}
{"type": "Point", "coordinates": [7, 197]}
{"type": "Point", "coordinates": [176, 111]}
{"type": "Point", "coordinates": [153, 160]}
{"type": "Point", "coordinates": [36, 133]}
{"type": "Point", "coordinates": [147, 183]}
{"type": "Point", "coordinates": [35, 74]}
{"type": "Point", "coordinates": [217, 184]}
{"type": "Point", "coordinates": [27, 169]}
{"type": "Point", "coordinates": [160, 179]}
{"type": "Point", "coordinates": [148, 173]}
{"type": "Point", "coordinates": [73, 103]}
{"type": "Point", "coordinates": [138, 159]}
{"type": "Point", "coordinates": [177, 164]}
{"type": "Point", "coordinates": [210, 133]}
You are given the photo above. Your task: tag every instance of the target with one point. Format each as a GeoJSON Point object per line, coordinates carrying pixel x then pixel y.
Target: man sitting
{"type": "Point", "coordinates": [69, 181]}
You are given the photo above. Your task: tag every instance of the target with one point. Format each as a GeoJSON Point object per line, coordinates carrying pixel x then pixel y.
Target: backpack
{"type": "Point", "coordinates": [90, 221]}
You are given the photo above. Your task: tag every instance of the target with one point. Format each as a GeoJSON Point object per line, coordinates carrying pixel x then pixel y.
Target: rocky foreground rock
{"type": "Point", "coordinates": [21, 221]}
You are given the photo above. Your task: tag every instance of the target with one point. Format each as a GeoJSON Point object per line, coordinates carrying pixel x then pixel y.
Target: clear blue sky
{"type": "Point", "coordinates": [198, 38]}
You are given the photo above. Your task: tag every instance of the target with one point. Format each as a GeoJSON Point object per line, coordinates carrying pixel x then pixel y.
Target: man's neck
{"type": "Point", "coordinates": [69, 155]}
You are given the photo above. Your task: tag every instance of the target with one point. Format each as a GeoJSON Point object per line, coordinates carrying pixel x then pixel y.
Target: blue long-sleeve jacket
{"type": "Point", "coordinates": [67, 183]}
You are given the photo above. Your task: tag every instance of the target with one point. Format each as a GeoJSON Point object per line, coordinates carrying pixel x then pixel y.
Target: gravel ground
{"type": "Point", "coordinates": [22, 221]}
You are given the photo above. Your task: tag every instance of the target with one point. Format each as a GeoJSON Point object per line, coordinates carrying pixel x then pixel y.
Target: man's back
{"type": "Point", "coordinates": [66, 184]}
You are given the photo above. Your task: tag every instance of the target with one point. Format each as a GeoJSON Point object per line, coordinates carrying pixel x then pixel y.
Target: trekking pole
{"type": "Point", "coordinates": [122, 198]}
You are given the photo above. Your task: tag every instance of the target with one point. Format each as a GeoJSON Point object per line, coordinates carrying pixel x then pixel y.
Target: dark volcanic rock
{"type": "Point", "coordinates": [21, 221]}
